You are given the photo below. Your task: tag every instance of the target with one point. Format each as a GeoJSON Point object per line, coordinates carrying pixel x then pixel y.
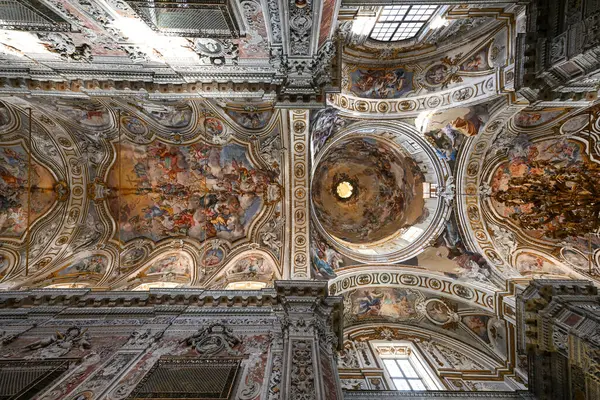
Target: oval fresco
{"type": "Point", "coordinates": [134, 125]}
{"type": "Point", "coordinates": [575, 124]}
{"type": "Point", "coordinates": [575, 259]}
{"type": "Point", "coordinates": [4, 265]}
{"type": "Point", "coordinates": [212, 257]}
{"type": "Point", "coordinates": [438, 312]}
{"type": "Point", "coordinates": [5, 117]}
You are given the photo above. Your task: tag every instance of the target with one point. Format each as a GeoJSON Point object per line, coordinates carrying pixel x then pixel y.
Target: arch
{"type": "Point", "coordinates": [246, 267]}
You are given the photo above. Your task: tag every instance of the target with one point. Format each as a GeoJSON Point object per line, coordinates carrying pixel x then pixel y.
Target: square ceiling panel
{"type": "Point", "coordinates": [189, 18]}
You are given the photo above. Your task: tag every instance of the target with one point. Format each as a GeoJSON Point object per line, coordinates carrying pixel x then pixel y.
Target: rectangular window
{"type": "Point", "coordinates": [405, 367]}
{"type": "Point", "coordinates": [403, 374]}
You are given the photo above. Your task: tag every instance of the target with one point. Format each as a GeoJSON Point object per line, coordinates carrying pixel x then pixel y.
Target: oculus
{"type": "Point", "coordinates": [345, 188]}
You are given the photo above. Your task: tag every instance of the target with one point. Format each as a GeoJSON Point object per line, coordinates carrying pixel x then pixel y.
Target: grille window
{"type": "Point", "coordinates": [21, 380]}
{"type": "Point", "coordinates": [189, 18]}
{"type": "Point", "coordinates": [188, 378]}
{"type": "Point", "coordinates": [30, 15]}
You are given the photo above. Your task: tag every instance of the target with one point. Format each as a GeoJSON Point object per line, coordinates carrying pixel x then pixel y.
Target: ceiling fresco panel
{"type": "Point", "coordinates": [538, 179]}
{"type": "Point", "coordinates": [547, 189]}
{"type": "Point", "coordinates": [28, 190]}
{"type": "Point", "coordinates": [119, 183]}
{"type": "Point", "coordinates": [200, 191]}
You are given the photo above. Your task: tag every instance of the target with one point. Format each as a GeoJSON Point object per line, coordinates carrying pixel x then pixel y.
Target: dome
{"type": "Point", "coordinates": [364, 190]}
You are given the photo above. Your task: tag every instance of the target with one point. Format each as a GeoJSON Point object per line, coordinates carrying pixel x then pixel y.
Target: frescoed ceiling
{"type": "Point", "coordinates": [423, 178]}
{"type": "Point", "coordinates": [126, 192]}
{"type": "Point", "coordinates": [427, 158]}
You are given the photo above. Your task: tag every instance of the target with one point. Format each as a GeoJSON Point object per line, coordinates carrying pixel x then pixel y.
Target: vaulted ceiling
{"type": "Point", "coordinates": [406, 154]}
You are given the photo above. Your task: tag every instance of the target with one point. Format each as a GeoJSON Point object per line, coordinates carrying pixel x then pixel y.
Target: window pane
{"type": "Point", "coordinates": [403, 15]}
{"type": "Point", "coordinates": [401, 384]}
{"type": "Point", "coordinates": [383, 31]}
{"type": "Point", "coordinates": [408, 369]}
{"type": "Point", "coordinates": [394, 13]}
{"type": "Point", "coordinates": [392, 368]}
{"type": "Point", "coordinates": [416, 384]}
{"type": "Point", "coordinates": [407, 30]}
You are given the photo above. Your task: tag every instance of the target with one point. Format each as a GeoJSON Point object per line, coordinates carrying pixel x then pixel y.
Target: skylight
{"type": "Point", "coordinates": [401, 22]}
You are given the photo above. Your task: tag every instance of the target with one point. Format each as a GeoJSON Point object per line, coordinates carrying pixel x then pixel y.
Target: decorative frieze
{"type": "Point", "coordinates": [299, 161]}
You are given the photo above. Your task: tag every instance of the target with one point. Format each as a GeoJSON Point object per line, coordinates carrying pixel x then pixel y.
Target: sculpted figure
{"type": "Point", "coordinates": [62, 343]}
{"type": "Point", "coordinates": [214, 339]}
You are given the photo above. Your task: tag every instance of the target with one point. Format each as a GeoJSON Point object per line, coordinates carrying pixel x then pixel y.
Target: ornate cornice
{"type": "Point", "coordinates": [127, 87]}
{"type": "Point", "coordinates": [314, 291]}
{"type": "Point", "coordinates": [443, 394]}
